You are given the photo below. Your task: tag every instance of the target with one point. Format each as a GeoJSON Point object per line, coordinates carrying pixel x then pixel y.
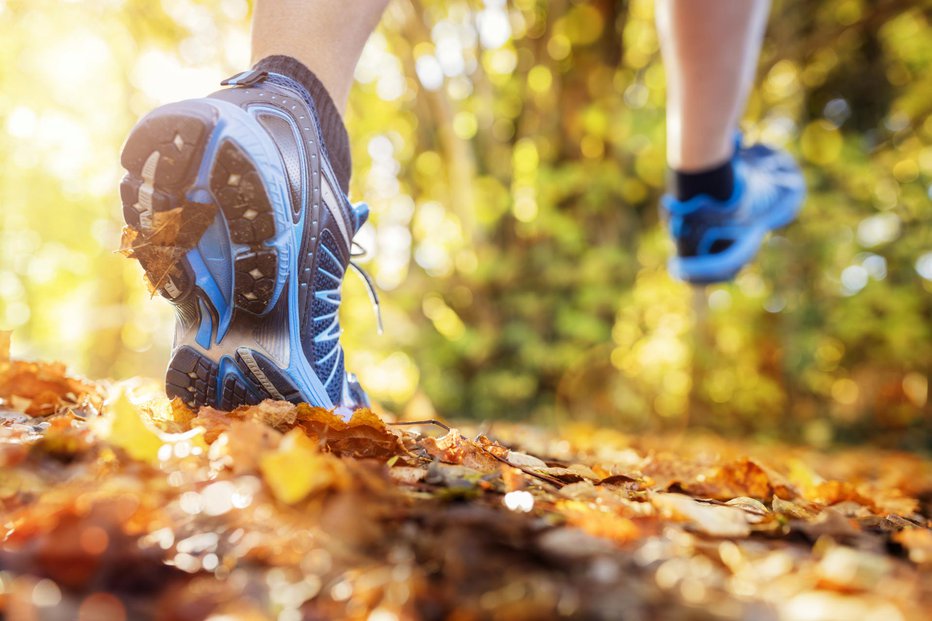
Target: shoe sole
{"type": "Point", "coordinates": [725, 265]}
{"type": "Point", "coordinates": [213, 240]}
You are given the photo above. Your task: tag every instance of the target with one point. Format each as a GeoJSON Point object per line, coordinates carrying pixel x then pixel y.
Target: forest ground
{"type": "Point", "coordinates": [118, 505]}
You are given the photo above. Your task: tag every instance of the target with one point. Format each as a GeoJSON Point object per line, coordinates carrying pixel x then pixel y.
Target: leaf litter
{"type": "Point", "coordinates": [118, 504]}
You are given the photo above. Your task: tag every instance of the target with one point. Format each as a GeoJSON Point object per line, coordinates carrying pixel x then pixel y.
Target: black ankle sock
{"type": "Point", "coordinates": [717, 182]}
{"type": "Point", "coordinates": [331, 123]}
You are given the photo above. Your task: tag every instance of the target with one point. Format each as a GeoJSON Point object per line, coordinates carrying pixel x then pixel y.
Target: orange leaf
{"type": "Point", "coordinates": [363, 436]}
{"type": "Point", "coordinates": [740, 477]}
{"type": "Point", "coordinates": [598, 521]}
{"type": "Point", "coordinates": [454, 448]}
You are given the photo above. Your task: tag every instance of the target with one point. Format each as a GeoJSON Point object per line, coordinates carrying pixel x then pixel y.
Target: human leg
{"type": "Point", "coordinates": [724, 197]}
{"type": "Point", "coordinates": [236, 209]}
{"type": "Point", "coordinates": [327, 36]}
{"type": "Point", "coordinates": [710, 50]}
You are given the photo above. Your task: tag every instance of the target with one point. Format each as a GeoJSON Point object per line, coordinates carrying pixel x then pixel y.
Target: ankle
{"type": "Point", "coordinates": [716, 181]}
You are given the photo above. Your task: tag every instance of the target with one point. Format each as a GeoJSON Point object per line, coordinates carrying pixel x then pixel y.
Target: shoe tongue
{"type": "Point", "coordinates": [360, 215]}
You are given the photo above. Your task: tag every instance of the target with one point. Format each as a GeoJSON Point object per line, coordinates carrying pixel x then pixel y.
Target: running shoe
{"type": "Point", "coordinates": [714, 238]}
{"type": "Point", "coordinates": [234, 212]}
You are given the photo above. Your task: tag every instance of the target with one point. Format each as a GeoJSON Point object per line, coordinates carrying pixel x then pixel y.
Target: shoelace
{"type": "Point", "coordinates": [370, 287]}
{"type": "Point", "coordinates": [358, 251]}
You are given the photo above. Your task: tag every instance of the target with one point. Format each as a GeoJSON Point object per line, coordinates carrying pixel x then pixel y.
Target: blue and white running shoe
{"type": "Point", "coordinates": [235, 214]}
{"type": "Point", "coordinates": [715, 239]}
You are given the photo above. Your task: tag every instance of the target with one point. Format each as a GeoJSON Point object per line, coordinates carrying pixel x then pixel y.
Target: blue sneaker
{"type": "Point", "coordinates": [234, 212]}
{"type": "Point", "coordinates": [715, 239]}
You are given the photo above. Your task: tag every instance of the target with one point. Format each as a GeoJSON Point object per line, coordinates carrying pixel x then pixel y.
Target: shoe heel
{"type": "Point", "coordinates": [197, 381]}
{"type": "Point", "coordinates": [192, 377]}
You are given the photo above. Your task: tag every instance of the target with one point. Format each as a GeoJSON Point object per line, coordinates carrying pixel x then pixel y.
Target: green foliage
{"type": "Point", "coordinates": [513, 174]}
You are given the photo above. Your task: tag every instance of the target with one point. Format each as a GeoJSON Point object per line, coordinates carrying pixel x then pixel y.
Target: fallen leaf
{"type": "Point", "coordinates": [298, 469]}
{"type": "Point", "coordinates": [407, 475]}
{"type": "Point", "coordinates": [522, 459]}
{"type": "Point", "coordinates": [165, 226]}
{"type": "Point", "coordinates": [242, 444]}
{"type": "Point", "coordinates": [598, 521]}
{"type": "Point", "coordinates": [740, 477]}
{"type": "Point", "coordinates": [454, 448]}
{"type": "Point", "coordinates": [123, 426]}
{"type": "Point", "coordinates": [714, 520]}
{"type": "Point", "coordinates": [497, 449]}
{"type": "Point", "coordinates": [280, 415]}
{"type": "Point", "coordinates": [364, 435]}
{"type": "Point", "coordinates": [181, 414]}
{"type": "Point", "coordinates": [828, 522]}
{"type": "Point", "coordinates": [756, 510]}
{"type": "Point", "coordinates": [800, 510]}
{"type": "Point", "coordinates": [214, 422]}
{"type": "Point", "coordinates": [42, 388]}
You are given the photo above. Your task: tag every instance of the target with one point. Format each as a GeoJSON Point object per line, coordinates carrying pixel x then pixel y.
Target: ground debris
{"type": "Point", "coordinates": [117, 504]}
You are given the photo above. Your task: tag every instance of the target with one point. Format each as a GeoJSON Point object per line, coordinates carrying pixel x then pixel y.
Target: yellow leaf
{"type": "Point", "coordinates": [123, 425]}
{"type": "Point", "coordinates": [298, 469]}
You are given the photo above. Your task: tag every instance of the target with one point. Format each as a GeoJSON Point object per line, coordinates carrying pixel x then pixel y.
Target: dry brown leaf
{"type": "Point", "coordinates": [523, 460]}
{"type": "Point", "coordinates": [214, 422]}
{"type": "Point", "coordinates": [454, 448]}
{"type": "Point", "coordinates": [181, 414]}
{"type": "Point", "coordinates": [43, 388]}
{"type": "Point", "coordinates": [497, 449]}
{"type": "Point", "coordinates": [798, 510]}
{"type": "Point", "coordinates": [129, 238]}
{"type": "Point", "coordinates": [363, 436]}
{"type": "Point", "coordinates": [741, 477]}
{"type": "Point", "coordinates": [166, 225]}
{"type": "Point", "coordinates": [756, 511]}
{"type": "Point", "coordinates": [828, 522]}
{"type": "Point", "coordinates": [407, 475]}
{"type": "Point", "coordinates": [714, 520]}
{"type": "Point", "coordinates": [570, 474]}
{"type": "Point", "coordinates": [280, 415]}
{"type": "Point", "coordinates": [241, 445]}
{"type": "Point", "coordinates": [834, 492]}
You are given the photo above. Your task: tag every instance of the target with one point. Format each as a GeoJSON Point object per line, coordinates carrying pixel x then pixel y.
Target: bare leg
{"type": "Point", "coordinates": [325, 35]}
{"type": "Point", "coordinates": [710, 50]}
